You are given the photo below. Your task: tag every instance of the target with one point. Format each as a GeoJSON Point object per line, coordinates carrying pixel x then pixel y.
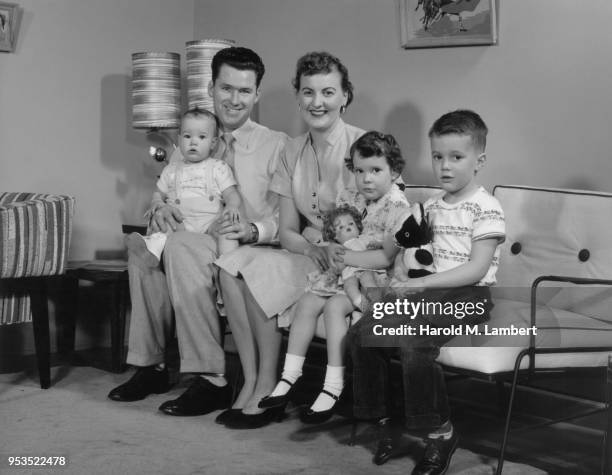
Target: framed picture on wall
{"type": "Point", "coordinates": [439, 23]}
{"type": "Point", "coordinates": [10, 18]}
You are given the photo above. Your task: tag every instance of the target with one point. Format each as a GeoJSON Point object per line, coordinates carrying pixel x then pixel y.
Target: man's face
{"type": "Point", "coordinates": [235, 93]}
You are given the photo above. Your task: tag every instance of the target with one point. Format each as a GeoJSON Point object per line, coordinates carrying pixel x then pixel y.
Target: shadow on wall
{"type": "Point", "coordinates": [363, 112]}
{"type": "Point", "coordinates": [405, 123]}
{"type": "Point", "coordinates": [125, 150]}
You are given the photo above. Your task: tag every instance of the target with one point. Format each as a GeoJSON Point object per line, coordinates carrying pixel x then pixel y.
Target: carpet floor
{"type": "Point", "coordinates": [75, 419]}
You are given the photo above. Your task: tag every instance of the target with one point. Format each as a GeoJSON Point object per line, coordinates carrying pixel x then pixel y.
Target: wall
{"type": "Point", "coordinates": [65, 113]}
{"type": "Point", "coordinates": [65, 125]}
{"type": "Point", "coordinates": [544, 90]}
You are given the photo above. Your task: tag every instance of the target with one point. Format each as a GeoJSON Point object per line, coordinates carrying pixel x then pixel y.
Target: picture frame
{"type": "Point", "coordinates": [443, 23]}
{"type": "Point", "coordinates": [10, 20]}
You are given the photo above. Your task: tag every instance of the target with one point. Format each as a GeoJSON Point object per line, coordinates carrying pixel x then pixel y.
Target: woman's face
{"type": "Point", "coordinates": [320, 98]}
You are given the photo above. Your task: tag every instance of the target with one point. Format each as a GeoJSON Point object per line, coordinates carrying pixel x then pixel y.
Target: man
{"type": "Point", "coordinates": [184, 283]}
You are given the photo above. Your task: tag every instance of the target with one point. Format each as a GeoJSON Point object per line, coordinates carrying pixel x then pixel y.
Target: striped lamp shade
{"type": "Point", "coordinates": [199, 58]}
{"type": "Point", "coordinates": [156, 90]}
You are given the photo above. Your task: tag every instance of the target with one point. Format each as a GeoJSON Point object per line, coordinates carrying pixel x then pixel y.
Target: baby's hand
{"type": "Point", "coordinates": [231, 214]}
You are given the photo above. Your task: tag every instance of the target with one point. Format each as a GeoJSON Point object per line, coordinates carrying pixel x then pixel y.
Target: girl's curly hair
{"type": "Point", "coordinates": [329, 234]}
{"type": "Point", "coordinates": [377, 144]}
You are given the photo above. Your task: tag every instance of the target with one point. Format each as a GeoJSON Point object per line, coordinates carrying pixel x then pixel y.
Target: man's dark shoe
{"type": "Point", "coordinates": [200, 398]}
{"type": "Point", "coordinates": [387, 443]}
{"type": "Point", "coordinates": [437, 456]}
{"type": "Point", "coordinates": [145, 381]}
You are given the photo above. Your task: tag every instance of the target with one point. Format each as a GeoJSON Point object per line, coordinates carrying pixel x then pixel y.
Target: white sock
{"type": "Point", "coordinates": [218, 380]}
{"type": "Point", "coordinates": [334, 383]}
{"type": "Point", "coordinates": [160, 366]}
{"type": "Point", "coordinates": [292, 370]}
{"type": "Point", "coordinates": [155, 243]}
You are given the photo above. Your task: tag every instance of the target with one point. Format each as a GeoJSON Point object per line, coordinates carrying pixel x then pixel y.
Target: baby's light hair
{"type": "Point", "coordinates": [198, 113]}
{"type": "Point", "coordinates": [462, 122]}
{"type": "Point", "coordinates": [329, 233]}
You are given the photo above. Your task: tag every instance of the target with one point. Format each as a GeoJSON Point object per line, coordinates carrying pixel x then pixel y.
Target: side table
{"type": "Point", "coordinates": [107, 272]}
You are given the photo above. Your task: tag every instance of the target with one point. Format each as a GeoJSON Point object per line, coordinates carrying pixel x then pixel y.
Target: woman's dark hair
{"type": "Point", "coordinates": [318, 62]}
{"type": "Point", "coordinates": [377, 144]}
{"type": "Point", "coordinates": [329, 234]}
{"type": "Point", "coordinates": [243, 59]}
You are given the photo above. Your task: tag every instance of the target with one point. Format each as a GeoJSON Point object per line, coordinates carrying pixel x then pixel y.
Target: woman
{"type": "Point", "coordinates": [308, 179]}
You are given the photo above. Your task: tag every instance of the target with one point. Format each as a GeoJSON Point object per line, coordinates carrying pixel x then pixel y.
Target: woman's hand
{"type": "Point", "coordinates": [165, 217]}
{"type": "Point", "coordinates": [334, 253]}
{"type": "Point", "coordinates": [318, 255]}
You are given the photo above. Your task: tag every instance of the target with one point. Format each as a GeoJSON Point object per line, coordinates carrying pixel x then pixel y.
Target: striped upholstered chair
{"type": "Point", "coordinates": [35, 231]}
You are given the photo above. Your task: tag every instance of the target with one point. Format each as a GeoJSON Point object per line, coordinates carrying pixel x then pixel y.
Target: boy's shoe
{"type": "Point", "coordinates": [437, 456]}
{"type": "Point", "coordinates": [388, 441]}
{"type": "Point", "coordinates": [146, 380]}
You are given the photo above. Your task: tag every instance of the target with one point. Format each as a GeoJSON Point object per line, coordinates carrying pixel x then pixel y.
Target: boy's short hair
{"type": "Point", "coordinates": [462, 122]}
{"type": "Point", "coordinates": [322, 62]}
{"type": "Point", "coordinates": [329, 234]}
{"type": "Point", "coordinates": [198, 113]}
{"type": "Point", "coordinates": [244, 59]}
{"type": "Point", "coordinates": [377, 144]}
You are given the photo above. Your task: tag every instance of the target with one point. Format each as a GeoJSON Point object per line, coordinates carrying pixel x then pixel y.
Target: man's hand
{"type": "Point", "coordinates": [166, 217]}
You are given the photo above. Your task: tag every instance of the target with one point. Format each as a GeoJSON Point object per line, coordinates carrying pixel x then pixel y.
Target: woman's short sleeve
{"type": "Point", "coordinates": [281, 180]}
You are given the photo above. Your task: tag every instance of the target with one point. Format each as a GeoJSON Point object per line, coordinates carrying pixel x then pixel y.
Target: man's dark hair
{"type": "Point", "coordinates": [244, 59]}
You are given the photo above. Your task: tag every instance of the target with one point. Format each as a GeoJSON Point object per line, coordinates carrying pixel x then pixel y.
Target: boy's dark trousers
{"type": "Point", "coordinates": [423, 402]}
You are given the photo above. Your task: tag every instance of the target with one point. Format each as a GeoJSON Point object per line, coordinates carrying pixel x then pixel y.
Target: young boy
{"type": "Point", "coordinates": [468, 227]}
{"type": "Point", "coordinates": [198, 185]}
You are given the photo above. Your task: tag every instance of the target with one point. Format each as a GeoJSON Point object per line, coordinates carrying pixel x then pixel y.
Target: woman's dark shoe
{"type": "Point", "coordinates": [318, 417]}
{"type": "Point", "coordinates": [227, 415]}
{"type": "Point", "coordinates": [255, 421]}
{"type": "Point", "coordinates": [276, 401]}
{"type": "Point", "coordinates": [387, 443]}
{"type": "Point", "coordinates": [146, 380]}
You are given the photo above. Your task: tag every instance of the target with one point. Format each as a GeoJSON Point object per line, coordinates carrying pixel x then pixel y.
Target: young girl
{"type": "Point", "coordinates": [376, 161]}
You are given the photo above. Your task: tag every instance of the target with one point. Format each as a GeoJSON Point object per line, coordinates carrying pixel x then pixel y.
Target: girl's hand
{"type": "Point", "coordinates": [318, 256]}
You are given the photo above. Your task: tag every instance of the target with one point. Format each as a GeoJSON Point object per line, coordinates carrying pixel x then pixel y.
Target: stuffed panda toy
{"type": "Point", "coordinates": [415, 237]}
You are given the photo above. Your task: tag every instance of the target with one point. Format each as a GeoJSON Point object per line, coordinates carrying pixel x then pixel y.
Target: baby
{"type": "Point", "coordinates": [197, 185]}
{"type": "Point", "coordinates": [342, 225]}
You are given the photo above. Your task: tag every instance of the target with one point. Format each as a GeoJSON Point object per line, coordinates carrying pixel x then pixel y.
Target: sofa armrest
{"type": "Point", "coordinates": [557, 278]}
